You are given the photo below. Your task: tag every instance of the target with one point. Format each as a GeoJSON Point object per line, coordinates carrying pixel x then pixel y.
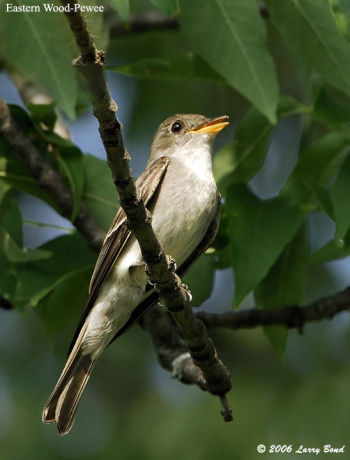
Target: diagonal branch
{"type": "Point", "coordinates": [90, 64]}
{"type": "Point", "coordinates": [50, 179]}
{"type": "Point", "coordinates": [290, 316]}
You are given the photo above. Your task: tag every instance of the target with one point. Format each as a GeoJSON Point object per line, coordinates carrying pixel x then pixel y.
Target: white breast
{"type": "Point", "coordinates": [186, 204]}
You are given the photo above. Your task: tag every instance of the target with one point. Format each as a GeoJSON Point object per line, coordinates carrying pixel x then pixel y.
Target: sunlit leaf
{"type": "Point", "coordinates": [309, 29]}
{"type": "Point", "coordinates": [232, 39]}
{"type": "Point", "coordinates": [49, 61]}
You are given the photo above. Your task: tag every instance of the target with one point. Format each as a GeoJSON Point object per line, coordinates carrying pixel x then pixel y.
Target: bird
{"type": "Point", "coordinates": [179, 189]}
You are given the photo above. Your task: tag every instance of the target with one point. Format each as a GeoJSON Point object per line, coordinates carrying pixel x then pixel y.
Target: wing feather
{"type": "Point", "coordinates": [148, 185]}
{"type": "Point", "coordinates": [153, 296]}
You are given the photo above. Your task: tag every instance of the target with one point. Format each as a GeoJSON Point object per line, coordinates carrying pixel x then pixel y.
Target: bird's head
{"type": "Point", "coordinates": [185, 132]}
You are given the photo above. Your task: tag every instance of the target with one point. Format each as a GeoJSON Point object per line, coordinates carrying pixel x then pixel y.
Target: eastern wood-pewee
{"type": "Point", "coordinates": [179, 189]}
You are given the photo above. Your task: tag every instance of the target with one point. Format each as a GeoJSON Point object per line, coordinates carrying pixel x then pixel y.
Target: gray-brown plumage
{"type": "Point", "coordinates": [179, 189]}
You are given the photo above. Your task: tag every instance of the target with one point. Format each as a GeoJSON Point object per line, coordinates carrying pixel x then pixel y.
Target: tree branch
{"type": "Point", "coordinates": [290, 316]}
{"type": "Point", "coordinates": [32, 94]}
{"type": "Point", "coordinates": [171, 351]}
{"type": "Point", "coordinates": [160, 268]}
{"type": "Point", "coordinates": [46, 176]}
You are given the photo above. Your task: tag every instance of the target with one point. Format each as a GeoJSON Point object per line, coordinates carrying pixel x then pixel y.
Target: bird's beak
{"type": "Point", "coordinates": [212, 126]}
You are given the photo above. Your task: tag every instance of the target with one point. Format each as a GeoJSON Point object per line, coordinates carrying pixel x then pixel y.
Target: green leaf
{"type": "Point", "coordinates": [339, 15]}
{"type": "Point", "coordinates": [69, 254]}
{"type": "Point", "coordinates": [70, 160]}
{"type": "Point", "coordinates": [258, 230]}
{"type": "Point", "coordinates": [222, 254]}
{"type": "Point", "coordinates": [11, 218]}
{"type": "Point", "coordinates": [200, 279]}
{"type": "Point", "coordinates": [11, 224]}
{"type": "Point", "coordinates": [309, 30]}
{"type": "Point", "coordinates": [232, 39]}
{"type": "Point", "coordinates": [62, 307]}
{"type": "Point", "coordinates": [345, 6]}
{"type": "Point", "coordinates": [284, 285]}
{"type": "Point", "coordinates": [331, 110]}
{"type": "Point", "coordinates": [8, 278]}
{"type": "Point", "coordinates": [4, 188]}
{"type": "Point", "coordinates": [15, 253]}
{"type": "Point", "coordinates": [240, 161]}
{"type": "Point", "coordinates": [183, 66]}
{"type": "Point", "coordinates": [340, 197]}
{"type": "Point", "coordinates": [316, 168]}
{"type": "Point", "coordinates": [64, 155]}
{"type": "Point", "coordinates": [11, 234]}
{"type": "Point", "coordinates": [122, 7]}
{"type": "Point", "coordinates": [169, 7]}
{"type": "Point", "coordinates": [333, 250]}
{"type": "Point", "coordinates": [41, 52]}
{"type": "Point", "coordinates": [99, 193]}
{"type": "Point", "coordinates": [14, 174]}
{"type": "Point", "coordinates": [278, 337]}
{"type": "Point", "coordinates": [43, 113]}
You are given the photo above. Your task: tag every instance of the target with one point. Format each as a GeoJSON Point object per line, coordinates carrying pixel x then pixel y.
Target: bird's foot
{"type": "Point", "coordinates": [171, 263]}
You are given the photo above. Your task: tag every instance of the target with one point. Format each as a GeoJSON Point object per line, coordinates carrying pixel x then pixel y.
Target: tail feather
{"type": "Point", "coordinates": [63, 401]}
{"type": "Point", "coordinates": [49, 412]}
{"type": "Point", "coordinates": [69, 398]}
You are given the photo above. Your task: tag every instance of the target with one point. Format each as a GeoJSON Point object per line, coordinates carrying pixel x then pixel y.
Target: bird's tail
{"type": "Point", "coordinates": [63, 401]}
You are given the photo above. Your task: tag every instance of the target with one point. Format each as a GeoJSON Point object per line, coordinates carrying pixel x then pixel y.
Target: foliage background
{"type": "Point", "coordinates": [131, 408]}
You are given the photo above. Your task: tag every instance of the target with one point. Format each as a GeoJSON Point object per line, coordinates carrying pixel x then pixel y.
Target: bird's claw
{"type": "Point", "coordinates": [188, 292]}
{"type": "Point", "coordinates": [172, 263]}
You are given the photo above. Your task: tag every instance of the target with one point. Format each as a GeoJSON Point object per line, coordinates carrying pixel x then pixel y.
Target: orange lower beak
{"type": "Point", "coordinates": [213, 126]}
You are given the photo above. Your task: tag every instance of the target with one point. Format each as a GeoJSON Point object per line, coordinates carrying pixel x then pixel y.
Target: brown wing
{"type": "Point", "coordinates": [200, 249]}
{"type": "Point", "coordinates": [117, 236]}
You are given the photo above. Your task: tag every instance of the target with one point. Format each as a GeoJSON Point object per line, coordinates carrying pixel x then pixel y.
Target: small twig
{"type": "Point", "coordinates": [290, 316]}
{"type": "Point", "coordinates": [226, 412]}
{"type": "Point", "coordinates": [176, 298]}
{"type": "Point", "coordinates": [47, 177]}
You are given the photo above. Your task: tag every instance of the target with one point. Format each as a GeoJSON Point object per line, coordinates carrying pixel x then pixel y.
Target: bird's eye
{"type": "Point", "coordinates": [176, 126]}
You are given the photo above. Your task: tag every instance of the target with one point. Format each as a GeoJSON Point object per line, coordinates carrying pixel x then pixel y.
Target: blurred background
{"type": "Point", "coordinates": [131, 408]}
